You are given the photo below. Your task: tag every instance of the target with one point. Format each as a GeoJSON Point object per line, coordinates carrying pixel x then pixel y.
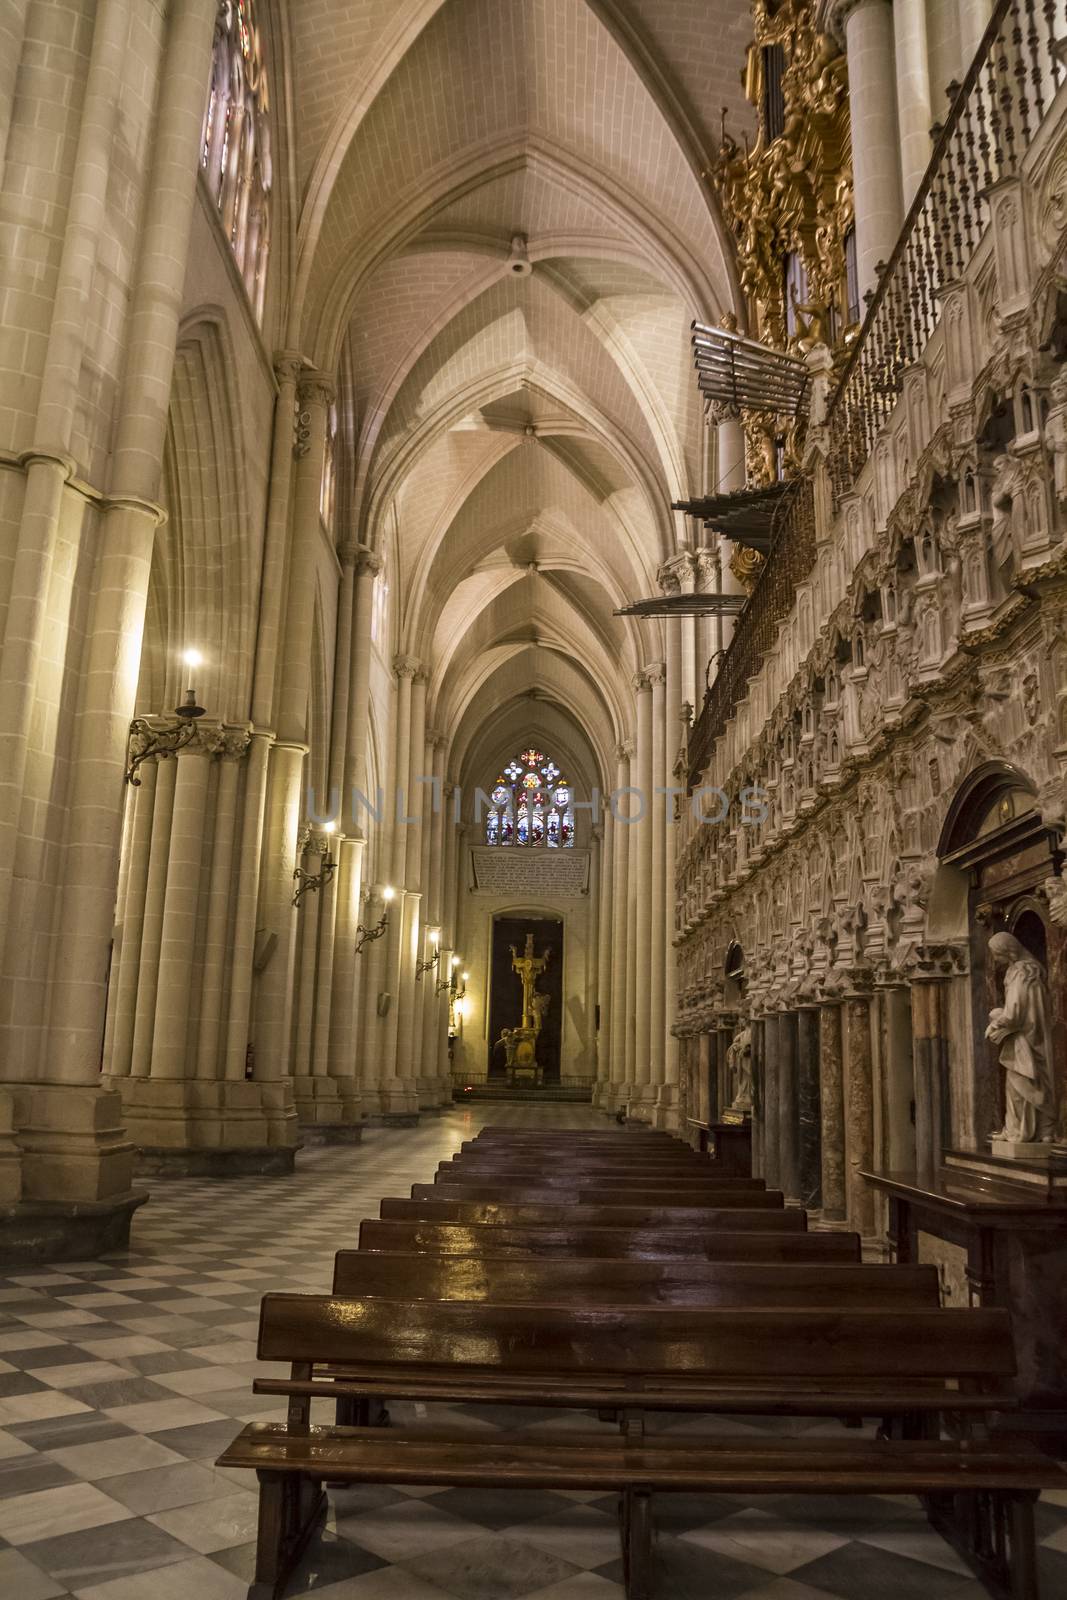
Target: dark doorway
{"type": "Point", "coordinates": [505, 990]}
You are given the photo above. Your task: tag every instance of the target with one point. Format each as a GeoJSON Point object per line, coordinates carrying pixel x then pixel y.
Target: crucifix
{"type": "Point", "coordinates": [529, 968]}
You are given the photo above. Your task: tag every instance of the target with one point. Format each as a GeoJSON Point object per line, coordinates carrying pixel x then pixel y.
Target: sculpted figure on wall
{"type": "Point", "coordinates": [1021, 1027]}
{"type": "Point", "coordinates": [739, 1067]}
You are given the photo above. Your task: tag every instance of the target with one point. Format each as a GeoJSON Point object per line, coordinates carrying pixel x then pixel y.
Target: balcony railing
{"type": "Point", "coordinates": [994, 115]}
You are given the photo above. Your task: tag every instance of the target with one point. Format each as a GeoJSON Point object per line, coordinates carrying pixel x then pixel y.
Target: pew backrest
{"type": "Point", "coordinates": [592, 1194]}
{"type": "Point", "coordinates": [600, 1215]}
{"type": "Point", "coordinates": [615, 1244]}
{"type": "Point", "coordinates": [576, 1282]}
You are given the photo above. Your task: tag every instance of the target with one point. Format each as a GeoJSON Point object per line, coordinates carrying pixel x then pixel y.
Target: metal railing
{"type": "Point", "coordinates": [995, 113]}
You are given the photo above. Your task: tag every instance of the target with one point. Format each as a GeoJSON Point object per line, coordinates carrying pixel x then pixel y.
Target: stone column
{"type": "Point", "coordinates": [180, 906]}
{"type": "Point", "coordinates": [668, 1109]}
{"type": "Point", "coordinates": [72, 1144]}
{"type": "Point", "coordinates": [399, 1101]}
{"type": "Point", "coordinates": [124, 976]}
{"type": "Point", "coordinates": [373, 961]}
{"type": "Point", "coordinates": [809, 1155]}
{"type": "Point", "coordinates": [914, 107]}
{"type": "Point", "coordinates": [449, 890]}
{"type": "Point", "coordinates": [859, 1104]}
{"type": "Point", "coordinates": [152, 922]}
{"type": "Point", "coordinates": [772, 1100]}
{"type": "Point", "coordinates": [655, 820]}
{"type": "Point", "coordinates": [253, 810]}
{"type": "Point", "coordinates": [433, 1020]}
{"type": "Point", "coordinates": [346, 989]}
{"type": "Point", "coordinates": [832, 1103]}
{"type": "Point", "coordinates": [216, 952]}
{"type": "Point", "coordinates": [621, 996]}
{"type": "Point", "coordinates": [409, 1037]}
{"type": "Point", "coordinates": [868, 32]}
{"type": "Point", "coordinates": [643, 978]}
{"type": "Point", "coordinates": [602, 1093]}
{"type": "Point", "coordinates": [788, 1119]}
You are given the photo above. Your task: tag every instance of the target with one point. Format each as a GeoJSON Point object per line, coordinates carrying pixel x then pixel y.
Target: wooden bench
{"type": "Point", "coordinates": [908, 1366]}
{"type": "Point", "coordinates": [613, 1177]}
{"type": "Point", "coordinates": [574, 1281]}
{"type": "Point", "coordinates": [589, 1192]}
{"type": "Point", "coordinates": [594, 1216]}
{"type": "Point", "coordinates": [609, 1243]}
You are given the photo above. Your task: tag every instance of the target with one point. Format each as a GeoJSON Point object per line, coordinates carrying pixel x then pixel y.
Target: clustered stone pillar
{"type": "Point", "coordinates": [621, 996]}
{"type": "Point", "coordinates": [772, 1100]}
{"type": "Point", "coordinates": [914, 106]}
{"type": "Point", "coordinates": [74, 1149]}
{"type": "Point", "coordinates": [642, 832]}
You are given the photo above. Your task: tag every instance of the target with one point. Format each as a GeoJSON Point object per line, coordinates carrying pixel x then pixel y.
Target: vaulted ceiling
{"type": "Point", "coordinates": [504, 235]}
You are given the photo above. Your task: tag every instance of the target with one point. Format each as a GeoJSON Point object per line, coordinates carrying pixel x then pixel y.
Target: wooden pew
{"type": "Point", "coordinates": [606, 1243]}
{"type": "Point", "coordinates": [679, 1155]}
{"type": "Point", "coordinates": [593, 1216]}
{"type": "Point", "coordinates": [577, 1282]}
{"type": "Point", "coordinates": [900, 1364]}
{"type": "Point", "coordinates": [609, 1178]}
{"type": "Point", "coordinates": [591, 1193]}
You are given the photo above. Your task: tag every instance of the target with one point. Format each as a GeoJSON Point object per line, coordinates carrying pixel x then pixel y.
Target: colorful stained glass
{"type": "Point", "coordinates": [531, 806]}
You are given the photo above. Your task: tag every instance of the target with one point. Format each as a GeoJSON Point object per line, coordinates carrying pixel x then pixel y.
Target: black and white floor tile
{"type": "Point", "coordinates": [121, 1380]}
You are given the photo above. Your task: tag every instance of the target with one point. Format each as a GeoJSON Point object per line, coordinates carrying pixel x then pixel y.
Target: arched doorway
{"type": "Point", "coordinates": [997, 848]}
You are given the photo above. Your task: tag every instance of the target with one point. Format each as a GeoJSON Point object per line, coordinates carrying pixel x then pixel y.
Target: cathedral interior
{"type": "Point", "coordinates": [533, 675]}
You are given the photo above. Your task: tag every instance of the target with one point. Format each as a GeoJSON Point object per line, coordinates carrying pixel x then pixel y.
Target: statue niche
{"type": "Point", "coordinates": [526, 1001]}
{"type": "Point", "coordinates": [1022, 1032]}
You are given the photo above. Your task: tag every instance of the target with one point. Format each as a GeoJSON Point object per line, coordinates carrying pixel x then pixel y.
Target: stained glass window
{"type": "Point", "coordinates": [531, 806]}
{"type": "Point", "coordinates": [235, 150]}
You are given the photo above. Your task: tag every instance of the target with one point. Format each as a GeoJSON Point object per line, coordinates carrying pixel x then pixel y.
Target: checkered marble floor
{"type": "Point", "coordinates": [122, 1379]}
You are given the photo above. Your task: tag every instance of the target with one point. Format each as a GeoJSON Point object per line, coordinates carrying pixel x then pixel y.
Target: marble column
{"type": "Point", "coordinates": [809, 1155]}
{"type": "Point", "coordinates": [832, 1106]}
{"type": "Point", "coordinates": [708, 1072]}
{"type": "Point", "coordinates": [788, 1118]}
{"type": "Point", "coordinates": [642, 831]}
{"type": "Point", "coordinates": [759, 1141]}
{"type": "Point", "coordinates": [772, 1100]}
{"type": "Point", "coordinates": [914, 107]}
{"type": "Point", "coordinates": [869, 44]}
{"type": "Point", "coordinates": [859, 1109]}
{"type": "Point", "coordinates": [930, 1058]}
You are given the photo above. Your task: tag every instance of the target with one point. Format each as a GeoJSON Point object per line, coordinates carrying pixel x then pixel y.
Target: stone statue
{"type": "Point", "coordinates": [1022, 1029]}
{"type": "Point", "coordinates": [739, 1068]}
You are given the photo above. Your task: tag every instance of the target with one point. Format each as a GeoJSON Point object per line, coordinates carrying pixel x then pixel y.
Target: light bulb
{"type": "Point", "coordinates": [455, 961]}
{"type": "Point", "coordinates": [192, 658]}
{"type": "Point", "coordinates": [387, 893]}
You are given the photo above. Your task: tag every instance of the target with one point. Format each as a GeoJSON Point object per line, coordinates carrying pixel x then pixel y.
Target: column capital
{"type": "Point", "coordinates": [624, 750]}
{"type": "Point", "coordinates": [351, 553]}
{"type": "Point", "coordinates": [641, 681]}
{"type": "Point", "coordinates": [288, 365]}
{"type": "Point", "coordinates": [835, 14]}
{"type": "Point", "coordinates": [406, 666]}
{"type": "Point", "coordinates": [657, 674]}
{"type": "Point", "coordinates": [316, 389]}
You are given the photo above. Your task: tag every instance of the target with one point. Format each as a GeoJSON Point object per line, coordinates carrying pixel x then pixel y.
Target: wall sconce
{"type": "Point", "coordinates": [155, 736]}
{"type": "Point", "coordinates": [313, 881]}
{"type": "Point", "coordinates": [368, 935]}
{"type": "Point", "coordinates": [431, 961]}
{"type": "Point", "coordinates": [449, 979]}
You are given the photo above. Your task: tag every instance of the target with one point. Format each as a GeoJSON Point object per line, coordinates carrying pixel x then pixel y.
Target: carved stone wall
{"type": "Point", "coordinates": [929, 639]}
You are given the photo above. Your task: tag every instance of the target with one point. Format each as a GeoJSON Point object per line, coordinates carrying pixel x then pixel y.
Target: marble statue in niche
{"type": "Point", "coordinates": [739, 1069]}
{"type": "Point", "coordinates": [1021, 1027]}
